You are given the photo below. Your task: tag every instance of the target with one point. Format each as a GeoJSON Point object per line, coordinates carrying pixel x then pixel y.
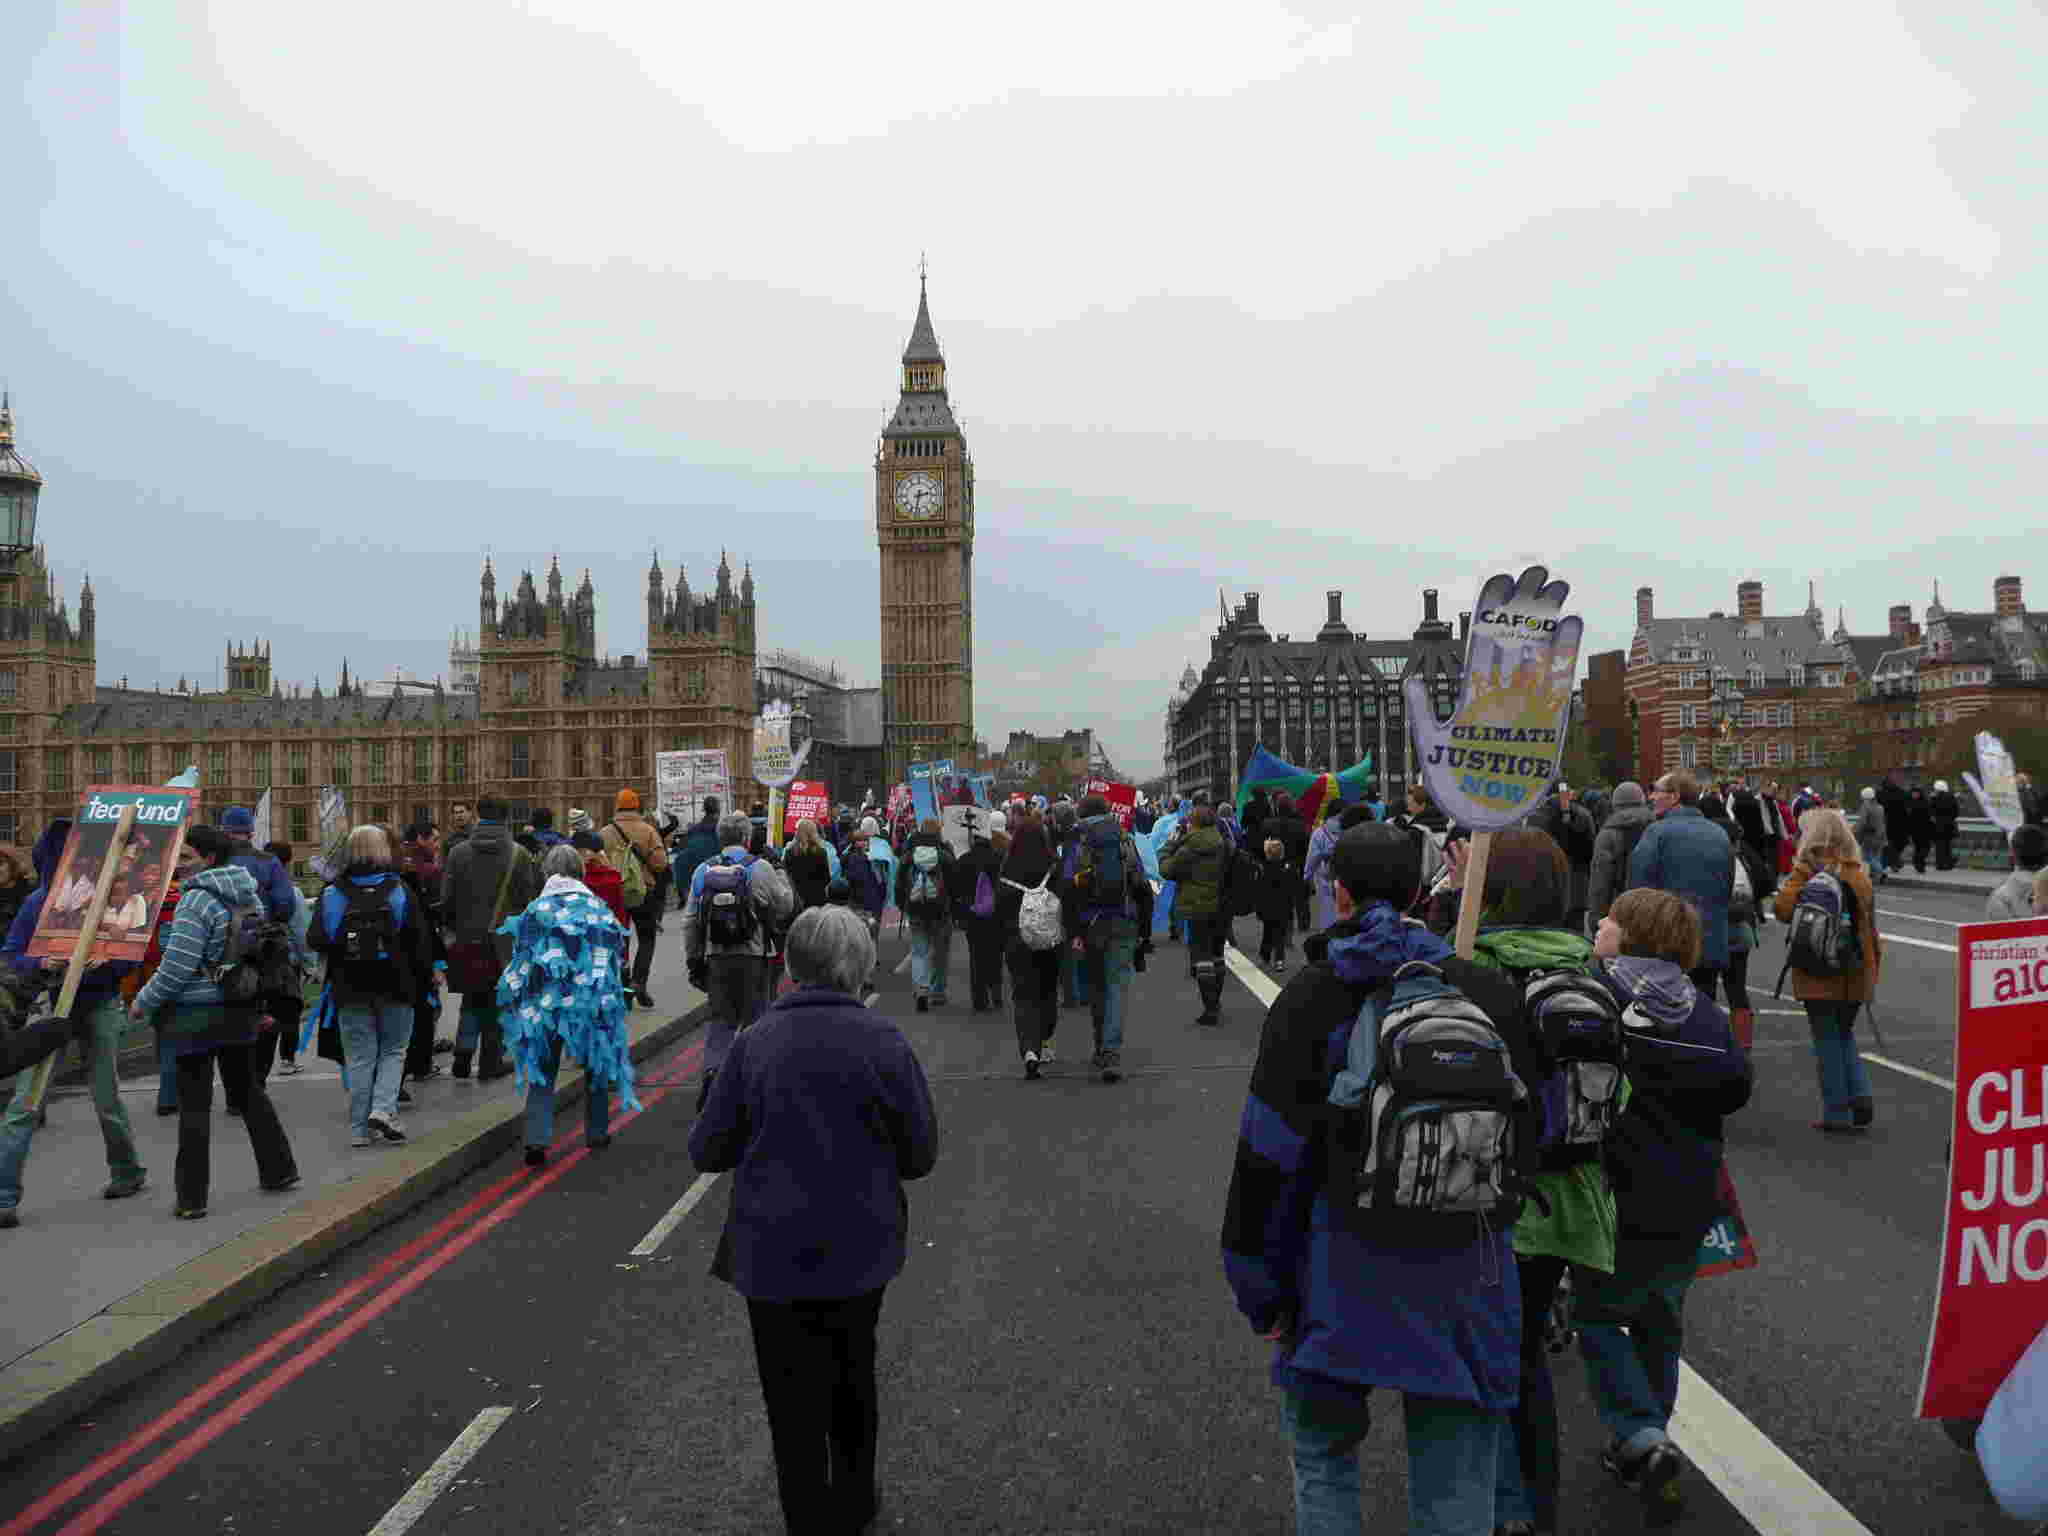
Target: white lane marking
{"type": "Point", "coordinates": [903, 966]}
{"type": "Point", "coordinates": [1768, 1488]}
{"type": "Point", "coordinates": [433, 1482]}
{"type": "Point", "coordinates": [1765, 1485]}
{"type": "Point", "coordinates": [1900, 938]}
{"type": "Point", "coordinates": [647, 1245]}
{"type": "Point", "coordinates": [1939, 922]}
{"type": "Point", "coordinates": [1900, 1066]}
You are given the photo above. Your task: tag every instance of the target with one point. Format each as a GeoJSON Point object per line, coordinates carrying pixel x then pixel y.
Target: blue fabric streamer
{"type": "Point", "coordinates": [565, 982]}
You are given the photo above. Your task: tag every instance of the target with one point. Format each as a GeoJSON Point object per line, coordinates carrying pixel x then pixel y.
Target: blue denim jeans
{"type": "Point", "coordinates": [540, 1104]}
{"type": "Point", "coordinates": [1451, 1451]}
{"type": "Point", "coordinates": [18, 1125]}
{"type": "Point", "coordinates": [374, 1036]}
{"type": "Point", "coordinates": [470, 1023]}
{"type": "Point", "coordinates": [931, 952]}
{"type": "Point", "coordinates": [1634, 1373]}
{"type": "Point", "coordinates": [1105, 974]}
{"type": "Point", "coordinates": [1837, 1061]}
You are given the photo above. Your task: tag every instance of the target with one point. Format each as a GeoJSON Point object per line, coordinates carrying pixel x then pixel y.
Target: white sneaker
{"type": "Point", "coordinates": [290, 1069]}
{"type": "Point", "coordinates": [1031, 1064]}
{"type": "Point", "coordinates": [359, 1141]}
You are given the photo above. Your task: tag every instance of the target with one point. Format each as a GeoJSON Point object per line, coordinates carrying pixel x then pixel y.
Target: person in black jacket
{"type": "Point", "coordinates": [1286, 824]}
{"type": "Point", "coordinates": [1663, 1159]}
{"type": "Point", "coordinates": [1570, 826]}
{"type": "Point", "coordinates": [984, 934]}
{"type": "Point", "coordinates": [1278, 883]}
{"type": "Point", "coordinates": [1919, 827]}
{"type": "Point", "coordinates": [1944, 811]}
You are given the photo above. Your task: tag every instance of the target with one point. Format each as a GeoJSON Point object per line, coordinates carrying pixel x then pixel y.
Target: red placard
{"type": "Point", "coordinates": [1993, 1295]}
{"type": "Point", "coordinates": [806, 798]}
{"type": "Point", "coordinates": [1122, 798]}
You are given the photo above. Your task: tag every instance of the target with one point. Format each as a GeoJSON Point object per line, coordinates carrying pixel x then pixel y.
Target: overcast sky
{"type": "Point", "coordinates": [303, 309]}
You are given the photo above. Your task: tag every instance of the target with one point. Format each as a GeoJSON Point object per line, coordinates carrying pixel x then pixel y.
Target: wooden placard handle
{"type": "Point", "coordinates": [1473, 896]}
{"type": "Point", "coordinates": [81, 952]}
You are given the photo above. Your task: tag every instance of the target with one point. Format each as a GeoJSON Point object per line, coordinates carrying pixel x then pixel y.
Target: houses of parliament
{"type": "Point", "coordinates": [548, 722]}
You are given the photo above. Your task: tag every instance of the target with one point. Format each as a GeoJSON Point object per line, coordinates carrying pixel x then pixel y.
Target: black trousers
{"type": "Point", "coordinates": [274, 1163]}
{"type": "Point", "coordinates": [645, 916]}
{"type": "Point", "coordinates": [1034, 993]}
{"type": "Point", "coordinates": [817, 1365]}
{"type": "Point", "coordinates": [984, 937]}
{"type": "Point", "coordinates": [1272, 938]}
{"type": "Point", "coordinates": [1920, 841]}
{"type": "Point", "coordinates": [290, 1013]}
{"type": "Point", "coordinates": [1535, 1415]}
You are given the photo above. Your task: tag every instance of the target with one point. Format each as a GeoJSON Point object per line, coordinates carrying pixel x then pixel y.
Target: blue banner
{"type": "Point", "coordinates": [924, 803]}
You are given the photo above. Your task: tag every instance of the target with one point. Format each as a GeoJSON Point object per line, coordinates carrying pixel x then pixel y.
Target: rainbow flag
{"type": "Point", "coordinates": [1267, 772]}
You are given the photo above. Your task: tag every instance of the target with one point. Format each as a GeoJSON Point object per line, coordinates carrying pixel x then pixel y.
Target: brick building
{"type": "Point", "coordinates": [549, 723]}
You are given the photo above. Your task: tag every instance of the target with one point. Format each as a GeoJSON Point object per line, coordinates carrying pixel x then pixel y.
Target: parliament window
{"type": "Point", "coordinates": [10, 826]}
{"type": "Point", "coordinates": [300, 820]}
{"type": "Point", "coordinates": [217, 765]}
{"type": "Point", "coordinates": [57, 768]}
{"type": "Point", "coordinates": [259, 766]}
{"type": "Point", "coordinates": [458, 762]}
{"type": "Point", "coordinates": [138, 765]}
{"type": "Point", "coordinates": [100, 764]}
{"type": "Point", "coordinates": [380, 770]}
{"type": "Point", "coordinates": [521, 757]}
{"type": "Point", "coordinates": [607, 756]}
{"type": "Point", "coordinates": [10, 682]}
{"type": "Point", "coordinates": [295, 763]}
{"type": "Point", "coordinates": [579, 753]}
{"type": "Point", "coordinates": [422, 762]}
{"type": "Point", "coordinates": [344, 762]}
{"type": "Point", "coordinates": [10, 772]}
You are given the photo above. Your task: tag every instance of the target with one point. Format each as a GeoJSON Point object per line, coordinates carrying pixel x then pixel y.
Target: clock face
{"type": "Point", "coordinates": [919, 494]}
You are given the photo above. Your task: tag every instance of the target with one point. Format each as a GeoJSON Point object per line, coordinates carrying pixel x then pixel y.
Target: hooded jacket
{"type": "Point", "coordinates": [197, 940]}
{"type": "Point", "coordinates": [273, 881]}
{"type": "Point", "coordinates": [1685, 1073]}
{"type": "Point", "coordinates": [906, 871]}
{"type": "Point", "coordinates": [1611, 852]}
{"type": "Point", "coordinates": [1370, 1311]}
{"type": "Point", "coordinates": [1684, 853]}
{"type": "Point", "coordinates": [1198, 868]}
{"type": "Point", "coordinates": [470, 880]}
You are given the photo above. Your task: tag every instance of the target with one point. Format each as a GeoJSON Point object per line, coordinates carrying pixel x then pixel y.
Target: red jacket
{"type": "Point", "coordinates": [608, 886]}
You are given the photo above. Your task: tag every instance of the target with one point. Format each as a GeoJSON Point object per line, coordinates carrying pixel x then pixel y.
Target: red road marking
{"type": "Point", "coordinates": [132, 1487]}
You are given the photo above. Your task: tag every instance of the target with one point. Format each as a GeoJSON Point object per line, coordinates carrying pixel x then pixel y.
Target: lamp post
{"type": "Point", "coordinates": [1727, 707]}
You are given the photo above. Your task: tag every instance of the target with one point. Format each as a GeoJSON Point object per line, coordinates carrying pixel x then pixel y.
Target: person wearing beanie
{"type": "Point", "coordinates": [1873, 829]}
{"type": "Point", "coordinates": [579, 821]}
{"type": "Point", "coordinates": [630, 835]}
{"type": "Point", "coordinates": [1945, 811]}
{"type": "Point", "coordinates": [1354, 1306]}
{"type": "Point", "coordinates": [1608, 877]}
{"type": "Point", "coordinates": [272, 882]}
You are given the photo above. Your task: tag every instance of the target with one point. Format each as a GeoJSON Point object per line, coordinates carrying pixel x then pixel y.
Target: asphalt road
{"type": "Point", "coordinates": [1061, 1353]}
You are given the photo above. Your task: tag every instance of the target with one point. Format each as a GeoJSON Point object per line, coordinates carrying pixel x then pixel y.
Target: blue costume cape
{"type": "Point", "coordinates": [564, 983]}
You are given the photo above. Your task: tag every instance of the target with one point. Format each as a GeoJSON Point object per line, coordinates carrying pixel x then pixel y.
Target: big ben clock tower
{"type": "Point", "coordinates": [924, 524]}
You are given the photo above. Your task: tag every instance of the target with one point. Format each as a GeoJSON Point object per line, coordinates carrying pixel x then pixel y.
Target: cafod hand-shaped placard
{"type": "Point", "coordinates": [1491, 764]}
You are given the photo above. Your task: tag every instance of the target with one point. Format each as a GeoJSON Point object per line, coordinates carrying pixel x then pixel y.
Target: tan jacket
{"type": "Point", "coordinates": [1837, 989]}
{"type": "Point", "coordinates": [630, 826]}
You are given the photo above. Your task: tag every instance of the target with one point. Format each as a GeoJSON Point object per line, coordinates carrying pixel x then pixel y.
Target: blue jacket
{"type": "Point", "coordinates": [820, 1112]}
{"type": "Point", "coordinates": [870, 888]}
{"type": "Point", "coordinates": [1663, 1155]}
{"type": "Point", "coordinates": [1684, 853]}
{"type": "Point", "coordinates": [272, 879]}
{"type": "Point", "coordinates": [1370, 1311]}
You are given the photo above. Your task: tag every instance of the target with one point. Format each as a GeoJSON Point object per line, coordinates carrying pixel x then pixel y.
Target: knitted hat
{"type": "Point", "coordinates": [238, 820]}
{"type": "Point", "coordinates": [870, 827]}
{"type": "Point", "coordinates": [626, 800]}
{"type": "Point", "coordinates": [1628, 792]}
{"type": "Point", "coordinates": [579, 820]}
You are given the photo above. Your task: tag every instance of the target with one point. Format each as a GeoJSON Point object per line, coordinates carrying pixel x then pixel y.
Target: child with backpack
{"type": "Point", "coordinates": [974, 903]}
{"type": "Point", "coordinates": [1415, 1291]}
{"type": "Point", "coordinates": [1832, 953]}
{"type": "Point", "coordinates": [924, 894]}
{"type": "Point", "coordinates": [1279, 880]}
{"type": "Point", "coordinates": [1663, 1157]}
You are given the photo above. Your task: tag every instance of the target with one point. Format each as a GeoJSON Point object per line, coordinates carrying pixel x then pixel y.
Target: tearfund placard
{"type": "Point", "coordinates": [1493, 761]}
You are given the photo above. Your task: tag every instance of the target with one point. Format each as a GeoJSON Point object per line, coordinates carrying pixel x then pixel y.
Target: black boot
{"type": "Point", "coordinates": [1209, 981]}
{"type": "Point", "coordinates": [460, 1066]}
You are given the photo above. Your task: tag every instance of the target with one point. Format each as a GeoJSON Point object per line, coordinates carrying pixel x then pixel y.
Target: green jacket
{"type": "Point", "coordinates": [1198, 865]}
{"type": "Point", "coordinates": [1581, 1225]}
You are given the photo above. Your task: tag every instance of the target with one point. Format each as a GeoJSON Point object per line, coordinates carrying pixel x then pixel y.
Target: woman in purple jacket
{"type": "Point", "coordinates": [819, 1223]}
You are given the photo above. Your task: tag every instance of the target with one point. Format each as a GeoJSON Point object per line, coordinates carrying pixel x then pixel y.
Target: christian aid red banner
{"type": "Point", "coordinates": [1122, 798]}
{"type": "Point", "coordinates": [1993, 1296]}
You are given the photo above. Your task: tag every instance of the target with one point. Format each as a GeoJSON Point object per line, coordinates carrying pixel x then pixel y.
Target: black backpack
{"type": "Point", "coordinates": [1100, 871]}
{"type": "Point", "coordinates": [366, 955]}
{"type": "Point", "coordinates": [238, 973]}
{"type": "Point", "coordinates": [1577, 1024]}
{"type": "Point", "coordinates": [728, 906]}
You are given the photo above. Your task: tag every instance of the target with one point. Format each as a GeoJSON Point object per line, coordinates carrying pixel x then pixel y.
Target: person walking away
{"type": "Point", "coordinates": [1032, 955]}
{"type": "Point", "coordinates": [1747, 900]}
{"type": "Point", "coordinates": [699, 843]}
{"type": "Point", "coordinates": [1873, 834]}
{"type": "Point", "coordinates": [866, 883]}
{"type": "Point", "coordinates": [102, 1020]}
{"type": "Point", "coordinates": [1277, 882]}
{"type": "Point", "coordinates": [628, 834]}
{"type": "Point", "coordinates": [1315, 873]}
{"type": "Point", "coordinates": [1891, 795]}
{"type": "Point", "coordinates": [1748, 813]}
{"type": "Point", "coordinates": [288, 1008]}
{"type": "Point", "coordinates": [736, 903]}
{"type": "Point", "coordinates": [1256, 809]}
{"type": "Point", "coordinates": [1681, 853]}
{"type": "Point", "coordinates": [1944, 811]}
{"type": "Point", "coordinates": [821, 1116]}
{"type": "Point", "coordinates": [2013, 899]}
{"type": "Point", "coordinates": [1108, 916]}
{"type": "Point", "coordinates": [1286, 824]}
{"type": "Point", "coordinates": [1352, 1301]}
{"type": "Point", "coordinates": [487, 875]}
{"type": "Point", "coordinates": [974, 905]}
{"type": "Point", "coordinates": [1569, 1222]}
{"type": "Point", "coordinates": [924, 885]}
{"type": "Point", "coordinates": [373, 931]}
{"type": "Point", "coordinates": [184, 1002]}
{"type": "Point", "coordinates": [808, 866]}
{"type": "Point", "coordinates": [1827, 897]}
{"type": "Point", "coordinates": [1063, 819]}
{"type": "Point", "coordinates": [1608, 876]}
{"type": "Point", "coordinates": [1198, 868]}
{"type": "Point", "coordinates": [560, 994]}
{"type": "Point", "coordinates": [542, 821]}
{"type": "Point", "coordinates": [1663, 1159]}
{"type": "Point", "coordinates": [280, 901]}
{"type": "Point", "coordinates": [600, 879]}
{"type": "Point", "coordinates": [1919, 827]}
{"type": "Point", "coordinates": [1570, 826]}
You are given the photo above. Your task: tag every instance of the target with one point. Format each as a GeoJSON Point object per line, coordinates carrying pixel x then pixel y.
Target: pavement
{"type": "Point", "coordinates": [546, 1352]}
{"type": "Point", "coordinates": [99, 1293]}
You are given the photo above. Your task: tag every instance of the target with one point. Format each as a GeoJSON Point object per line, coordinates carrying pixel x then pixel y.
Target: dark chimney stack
{"type": "Point", "coordinates": [1749, 601]}
{"type": "Point", "coordinates": [1429, 606]}
{"type": "Point", "coordinates": [1645, 610]}
{"type": "Point", "coordinates": [2005, 597]}
{"type": "Point", "coordinates": [1464, 627]}
{"type": "Point", "coordinates": [1901, 621]}
{"type": "Point", "coordinates": [1336, 602]}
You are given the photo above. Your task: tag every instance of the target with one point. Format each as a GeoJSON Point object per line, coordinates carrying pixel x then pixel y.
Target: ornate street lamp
{"type": "Point", "coordinates": [20, 485]}
{"type": "Point", "coordinates": [1727, 707]}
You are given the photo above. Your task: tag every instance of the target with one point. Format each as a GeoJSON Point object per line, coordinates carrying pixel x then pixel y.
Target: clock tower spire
{"type": "Point", "coordinates": [924, 525]}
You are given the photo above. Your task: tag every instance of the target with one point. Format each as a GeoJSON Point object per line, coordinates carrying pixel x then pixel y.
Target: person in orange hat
{"type": "Point", "coordinates": [629, 835]}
